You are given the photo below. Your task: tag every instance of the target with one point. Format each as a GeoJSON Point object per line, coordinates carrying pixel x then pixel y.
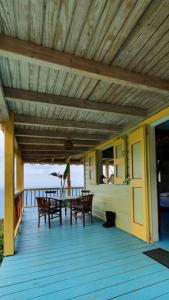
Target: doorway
{"type": "Point", "coordinates": [162, 179]}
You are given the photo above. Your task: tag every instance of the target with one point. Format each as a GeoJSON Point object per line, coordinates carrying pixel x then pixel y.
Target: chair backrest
{"type": "Point", "coordinates": [87, 201]}
{"type": "Point", "coordinates": [50, 193]}
{"type": "Point", "coordinates": [85, 192]}
{"type": "Point", "coordinates": [42, 203]}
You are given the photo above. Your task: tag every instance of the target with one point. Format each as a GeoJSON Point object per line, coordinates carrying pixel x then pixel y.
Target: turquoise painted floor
{"type": "Point", "coordinates": [72, 262]}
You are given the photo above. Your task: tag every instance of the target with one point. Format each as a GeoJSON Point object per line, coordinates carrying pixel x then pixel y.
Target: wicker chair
{"type": "Point", "coordinates": [45, 209]}
{"type": "Point", "coordinates": [83, 207]}
{"type": "Point", "coordinates": [85, 192]}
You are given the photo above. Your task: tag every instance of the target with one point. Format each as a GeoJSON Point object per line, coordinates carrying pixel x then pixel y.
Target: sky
{"type": "Point", "coordinates": [39, 175]}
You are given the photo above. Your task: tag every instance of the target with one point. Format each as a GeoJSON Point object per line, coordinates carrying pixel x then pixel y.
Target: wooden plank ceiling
{"type": "Point", "coordinates": [84, 70]}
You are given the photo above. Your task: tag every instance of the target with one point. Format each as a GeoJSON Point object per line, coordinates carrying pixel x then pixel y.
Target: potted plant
{"type": "Point", "coordinates": [62, 178]}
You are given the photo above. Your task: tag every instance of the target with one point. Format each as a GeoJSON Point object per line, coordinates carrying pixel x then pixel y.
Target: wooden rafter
{"type": "Point", "coordinates": [49, 155]}
{"type": "Point", "coordinates": [53, 135]}
{"type": "Point", "coordinates": [33, 53]}
{"type": "Point", "coordinates": [50, 148]}
{"type": "Point", "coordinates": [4, 114]}
{"type": "Point", "coordinates": [53, 141]}
{"type": "Point", "coordinates": [52, 161]}
{"type": "Point", "coordinates": [26, 120]}
{"type": "Point", "coordinates": [74, 103]}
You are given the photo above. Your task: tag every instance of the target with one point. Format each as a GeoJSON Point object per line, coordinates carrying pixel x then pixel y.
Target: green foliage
{"type": "Point", "coordinates": [65, 174]}
{"type": "Point", "coordinates": [1, 240]}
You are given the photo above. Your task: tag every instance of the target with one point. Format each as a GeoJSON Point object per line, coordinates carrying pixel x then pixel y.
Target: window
{"type": "Point", "coordinates": [107, 167]}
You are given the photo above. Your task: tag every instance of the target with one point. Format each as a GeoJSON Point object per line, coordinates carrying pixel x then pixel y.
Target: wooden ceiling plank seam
{"type": "Point", "coordinates": [90, 87]}
{"type": "Point", "coordinates": [80, 14]}
{"type": "Point", "coordinates": [124, 56]}
{"type": "Point", "coordinates": [7, 15]}
{"type": "Point", "coordinates": [90, 27]}
{"type": "Point", "coordinates": [152, 42]}
{"type": "Point", "coordinates": [36, 15]}
{"type": "Point", "coordinates": [52, 9]}
{"type": "Point", "coordinates": [73, 103]}
{"type": "Point", "coordinates": [65, 18]}
{"type": "Point", "coordinates": [104, 23]}
{"type": "Point", "coordinates": [41, 55]}
{"type": "Point", "coordinates": [115, 26]}
{"type": "Point", "coordinates": [156, 68]}
{"type": "Point", "coordinates": [128, 26]}
{"type": "Point", "coordinates": [156, 52]}
{"type": "Point", "coordinates": [99, 90]}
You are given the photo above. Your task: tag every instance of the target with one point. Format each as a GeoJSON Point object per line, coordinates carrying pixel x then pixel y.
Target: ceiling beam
{"type": "Point", "coordinates": [53, 142]}
{"type": "Point", "coordinates": [36, 121]}
{"type": "Point", "coordinates": [52, 161]}
{"type": "Point", "coordinates": [55, 135]}
{"type": "Point", "coordinates": [34, 53]}
{"type": "Point", "coordinates": [40, 155]}
{"type": "Point", "coordinates": [4, 114]}
{"type": "Point", "coordinates": [50, 148]}
{"type": "Point", "coordinates": [73, 103]}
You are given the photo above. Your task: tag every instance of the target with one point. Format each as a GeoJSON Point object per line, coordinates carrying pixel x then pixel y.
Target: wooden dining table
{"type": "Point", "coordinates": [63, 200]}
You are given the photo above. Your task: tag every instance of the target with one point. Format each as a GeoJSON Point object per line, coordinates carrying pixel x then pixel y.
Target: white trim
{"type": "Point", "coordinates": [153, 184]}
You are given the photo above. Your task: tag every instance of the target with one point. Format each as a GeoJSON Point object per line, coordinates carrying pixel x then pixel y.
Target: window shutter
{"type": "Point", "coordinates": [120, 161]}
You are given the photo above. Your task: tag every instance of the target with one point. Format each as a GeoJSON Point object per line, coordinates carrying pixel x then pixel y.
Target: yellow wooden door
{"type": "Point", "coordinates": [138, 176]}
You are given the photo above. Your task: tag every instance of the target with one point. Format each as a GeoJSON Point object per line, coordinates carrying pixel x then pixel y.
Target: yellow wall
{"type": "Point", "coordinates": [111, 197]}
{"type": "Point", "coordinates": [116, 197]}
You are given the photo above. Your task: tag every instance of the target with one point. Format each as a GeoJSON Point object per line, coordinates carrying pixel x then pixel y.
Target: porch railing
{"type": "Point", "coordinates": [30, 195]}
{"type": "Point", "coordinates": [18, 210]}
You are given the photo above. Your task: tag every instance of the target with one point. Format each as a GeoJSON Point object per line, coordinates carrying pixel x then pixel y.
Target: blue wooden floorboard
{"type": "Point", "coordinates": [73, 262]}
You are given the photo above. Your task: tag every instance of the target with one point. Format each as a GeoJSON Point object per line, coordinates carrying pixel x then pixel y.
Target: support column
{"type": "Point", "coordinates": [9, 187]}
{"type": "Point", "coordinates": [69, 182]}
{"type": "Point", "coordinates": [107, 171]}
{"type": "Point", "coordinates": [19, 174]}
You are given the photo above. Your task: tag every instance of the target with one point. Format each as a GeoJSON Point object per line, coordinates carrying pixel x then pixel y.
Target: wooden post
{"type": "Point", "coordinates": [9, 187]}
{"type": "Point", "coordinates": [19, 172]}
{"type": "Point", "coordinates": [107, 171]}
{"type": "Point", "coordinates": [69, 181]}
{"type": "Point", "coordinates": [19, 175]}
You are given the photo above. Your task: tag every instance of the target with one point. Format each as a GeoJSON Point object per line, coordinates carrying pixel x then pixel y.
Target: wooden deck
{"type": "Point", "coordinates": [72, 262]}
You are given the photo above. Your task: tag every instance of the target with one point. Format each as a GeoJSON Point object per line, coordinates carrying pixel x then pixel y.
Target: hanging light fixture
{"type": "Point", "coordinates": [68, 145]}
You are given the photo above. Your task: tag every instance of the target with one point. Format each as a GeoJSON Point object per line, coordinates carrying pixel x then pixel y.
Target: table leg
{"type": "Point", "coordinates": [65, 208]}
{"type": "Point", "coordinates": [70, 212]}
{"type": "Point", "coordinates": [61, 212]}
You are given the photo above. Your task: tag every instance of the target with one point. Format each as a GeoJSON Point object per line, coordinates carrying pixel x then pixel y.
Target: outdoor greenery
{"type": "Point", "coordinates": [1, 240]}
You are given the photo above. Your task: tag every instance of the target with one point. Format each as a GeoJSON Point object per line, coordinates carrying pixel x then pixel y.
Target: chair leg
{"type": "Point", "coordinates": [83, 219]}
{"type": "Point", "coordinates": [49, 220]}
{"type": "Point", "coordinates": [45, 218]}
{"type": "Point", "coordinates": [38, 220]}
{"type": "Point", "coordinates": [91, 218]}
{"type": "Point", "coordinates": [66, 210]}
